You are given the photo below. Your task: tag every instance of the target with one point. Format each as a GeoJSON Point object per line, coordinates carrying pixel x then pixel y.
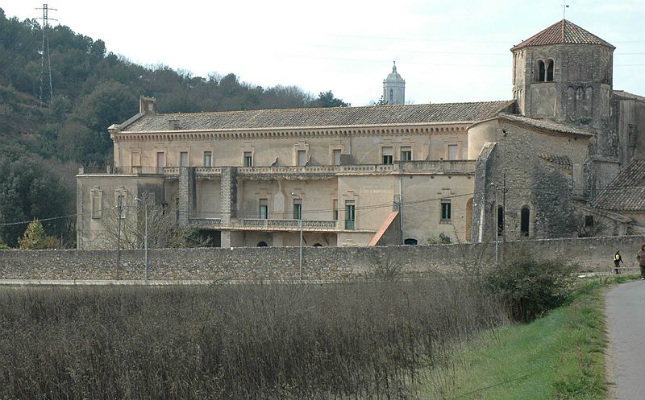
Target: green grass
{"type": "Point", "coordinates": [559, 356]}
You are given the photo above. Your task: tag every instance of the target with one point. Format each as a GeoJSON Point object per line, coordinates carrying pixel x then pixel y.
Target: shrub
{"type": "Point", "coordinates": [529, 288]}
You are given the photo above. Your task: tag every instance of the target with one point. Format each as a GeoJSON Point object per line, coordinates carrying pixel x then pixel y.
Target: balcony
{"type": "Point", "coordinates": [311, 172]}
{"type": "Point", "coordinates": [284, 225]}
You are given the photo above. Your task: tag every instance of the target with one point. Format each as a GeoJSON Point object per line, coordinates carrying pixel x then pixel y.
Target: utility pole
{"type": "Point", "coordinates": [504, 219]}
{"type": "Point", "coordinates": [45, 58]}
{"type": "Point", "coordinates": [118, 234]}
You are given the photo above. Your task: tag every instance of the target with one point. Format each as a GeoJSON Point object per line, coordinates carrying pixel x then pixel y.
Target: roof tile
{"type": "Point", "coordinates": [323, 117]}
{"type": "Point", "coordinates": [562, 32]}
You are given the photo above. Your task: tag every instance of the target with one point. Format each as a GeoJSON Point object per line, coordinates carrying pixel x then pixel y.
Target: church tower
{"type": "Point", "coordinates": [564, 73]}
{"type": "Point", "coordinates": [394, 88]}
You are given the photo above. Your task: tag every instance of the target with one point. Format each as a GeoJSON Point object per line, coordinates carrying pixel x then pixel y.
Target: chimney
{"type": "Point", "coordinates": [147, 105]}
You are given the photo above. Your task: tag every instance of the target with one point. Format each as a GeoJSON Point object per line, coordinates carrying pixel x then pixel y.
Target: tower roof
{"type": "Point", "coordinates": [394, 76]}
{"type": "Point", "coordinates": [562, 32]}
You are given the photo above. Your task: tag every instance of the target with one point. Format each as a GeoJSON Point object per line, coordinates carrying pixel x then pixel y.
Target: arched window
{"type": "Point", "coordinates": [540, 71]}
{"type": "Point", "coordinates": [317, 245]}
{"type": "Point", "coordinates": [524, 223]}
{"type": "Point", "coordinates": [410, 241]}
{"type": "Point", "coordinates": [263, 244]}
{"type": "Point", "coordinates": [549, 71]}
{"type": "Point", "coordinates": [500, 221]}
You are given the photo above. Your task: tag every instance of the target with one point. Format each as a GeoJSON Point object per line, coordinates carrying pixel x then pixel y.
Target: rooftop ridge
{"type": "Point", "coordinates": [562, 32]}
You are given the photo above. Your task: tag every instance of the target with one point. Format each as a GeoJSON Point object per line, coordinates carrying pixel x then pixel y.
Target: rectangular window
{"type": "Point", "coordinates": [335, 210]}
{"type": "Point", "coordinates": [350, 214]}
{"type": "Point", "coordinates": [136, 159]}
{"type": "Point", "coordinates": [452, 151]}
{"type": "Point", "coordinates": [264, 209]}
{"type": "Point", "coordinates": [97, 207]}
{"type": "Point", "coordinates": [183, 159]}
{"type": "Point", "coordinates": [302, 158]}
{"type": "Point", "coordinates": [589, 221]}
{"type": "Point", "coordinates": [336, 156]}
{"type": "Point", "coordinates": [248, 159]}
{"type": "Point", "coordinates": [388, 155]}
{"type": "Point", "coordinates": [161, 161]}
{"type": "Point", "coordinates": [446, 211]}
{"type": "Point", "coordinates": [208, 159]}
{"type": "Point", "coordinates": [121, 206]}
{"type": "Point", "coordinates": [630, 135]}
{"type": "Point", "coordinates": [297, 208]}
{"type": "Point", "coordinates": [406, 153]}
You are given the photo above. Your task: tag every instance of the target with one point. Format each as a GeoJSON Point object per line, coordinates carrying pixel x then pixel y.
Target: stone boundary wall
{"type": "Point", "coordinates": [319, 263]}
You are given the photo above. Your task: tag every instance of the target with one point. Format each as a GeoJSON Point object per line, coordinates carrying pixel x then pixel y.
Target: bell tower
{"type": "Point", "coordinates": [564, 73]}
{"type": "Point", "coordinates": [394, 88]}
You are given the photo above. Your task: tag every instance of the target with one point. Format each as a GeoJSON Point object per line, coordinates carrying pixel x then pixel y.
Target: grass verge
{"type": "Point", "coordinates": [559, 356]}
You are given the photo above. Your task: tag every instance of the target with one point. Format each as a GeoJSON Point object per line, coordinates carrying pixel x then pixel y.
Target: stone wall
{"type": "Point", "coordinates": [319, 263]}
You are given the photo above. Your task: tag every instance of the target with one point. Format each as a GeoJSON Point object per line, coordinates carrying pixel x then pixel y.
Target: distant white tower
{"type": "Point", "coordinates": [394, 88]}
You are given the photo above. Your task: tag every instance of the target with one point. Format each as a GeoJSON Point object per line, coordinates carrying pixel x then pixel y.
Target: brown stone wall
{"type": "Point", "coordinates": [281, 263]}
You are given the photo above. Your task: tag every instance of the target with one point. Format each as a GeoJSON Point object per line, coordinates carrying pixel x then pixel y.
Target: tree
{"type": "Point", "coordinates": [127, 228]}
{"type": "Point", "coordinates": [35, 238]}
{"type": "Point", "coordinates": [327, 99]}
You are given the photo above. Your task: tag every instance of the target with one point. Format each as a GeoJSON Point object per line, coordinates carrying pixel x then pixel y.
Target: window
{"type": "Point", "coordinates": [336, 156]}
{"type": "Point", "coordinates": [97, 197]}
{"type": "Point", "coordinates": [161, 160]}
{"type": "Point", "coordinates": [524, 224]}
{"type": "Point", "coordinates": [264, 209]}
{"type": "Point", "coordinates": [446, 211]}
{"type": "Point", "coordinates": [406, 153]}
{"type": "Point", "coordinates": [387, 155]}
{"type": "Point", "coordinates": [589, 221]}
{"type": "Point", "coordinates": [391, 96]}
{"type": "Point", "coordinates": [500, 221]}
{"type": "Point", "coordinates": [541, 72]}
{"type": "Point", "coordinates": [297, 208]}
{"type": "Point", "coordinates": [183, 159]}
{"type": "Point", "coordinates": [136, 159]}
{"type": "Point", "coordinates": [630, 136]}
{"type": "Point", "coordinates": [248, 159]}
{"type": "Point", "coordinates": [302, 158]}
{"type": "Point", "coordinates": [121, 205]}
{"type": "Point", "coordinates": [410, 242]}
{"type": "Point", "coordinates": [452, 151]}
{"type": "Point", "coordinates": [350, 214]}
{"type": "Point", "coordinates": [263, 244]}
{"type": "Point", "coordinates": [549, 71]}
{"type": "Point", "coordinates": [208, 159]}
{"type": "Point", "coordinates": [334, 210]}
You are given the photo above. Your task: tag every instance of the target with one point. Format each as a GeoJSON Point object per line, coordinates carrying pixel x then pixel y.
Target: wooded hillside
{"type": "Point", "coordinates": [59, 130]}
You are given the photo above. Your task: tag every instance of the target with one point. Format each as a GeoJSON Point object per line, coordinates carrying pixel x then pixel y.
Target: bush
{"type": "Point", "coordinates": [529, 288]}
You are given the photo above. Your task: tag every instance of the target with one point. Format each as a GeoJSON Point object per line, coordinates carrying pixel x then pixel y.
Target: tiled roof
{"type": "Point", "coordinates": [562, 32]}
{"type": "Point", "coordinates": [628, 96]}
{"type": "Point", "coordinates": [322, 117]}
{"type": "Point", "coordinates": [626, 192]}
{"type": "Point", "coordinates": [546, 124]}
{"type": "Point", "coordinates": [562, 161]}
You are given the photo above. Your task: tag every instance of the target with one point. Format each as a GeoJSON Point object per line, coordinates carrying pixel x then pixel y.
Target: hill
{"type": "Point", "coordinates": [91, 90]}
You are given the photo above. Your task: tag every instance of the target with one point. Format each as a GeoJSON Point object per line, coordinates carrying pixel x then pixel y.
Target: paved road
{"type": "Point", "coordinates": [626, 323]}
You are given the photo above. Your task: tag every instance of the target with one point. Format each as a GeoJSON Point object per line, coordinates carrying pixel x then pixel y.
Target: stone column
{"type": "Point", "coordinates": [228, 196]}
{"type": "Point", "coordinates": [186, 194]}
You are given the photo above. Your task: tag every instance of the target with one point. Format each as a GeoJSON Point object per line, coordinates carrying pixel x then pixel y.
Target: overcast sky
{"type": "Point", "coordinates": [446, 50]}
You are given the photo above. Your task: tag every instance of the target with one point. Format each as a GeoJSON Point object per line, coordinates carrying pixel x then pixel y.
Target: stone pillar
{"type": "Point", "coordinates": [229, 195]}
{"type": "Point", "coordinates": [186, 194]}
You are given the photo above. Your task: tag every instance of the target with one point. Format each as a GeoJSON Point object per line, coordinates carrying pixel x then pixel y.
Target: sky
{"type": "Point", "coordinates": [447, 51]}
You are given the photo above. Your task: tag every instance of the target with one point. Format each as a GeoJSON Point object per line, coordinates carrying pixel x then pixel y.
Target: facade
{"type": "Point", "coordinates": [391, 174]}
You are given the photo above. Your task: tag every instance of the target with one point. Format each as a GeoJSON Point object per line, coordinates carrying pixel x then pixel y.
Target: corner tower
{"type": "Point", "coordinates": [394, 88]}
{"type": "Point", "coordinates": [564, 73]}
